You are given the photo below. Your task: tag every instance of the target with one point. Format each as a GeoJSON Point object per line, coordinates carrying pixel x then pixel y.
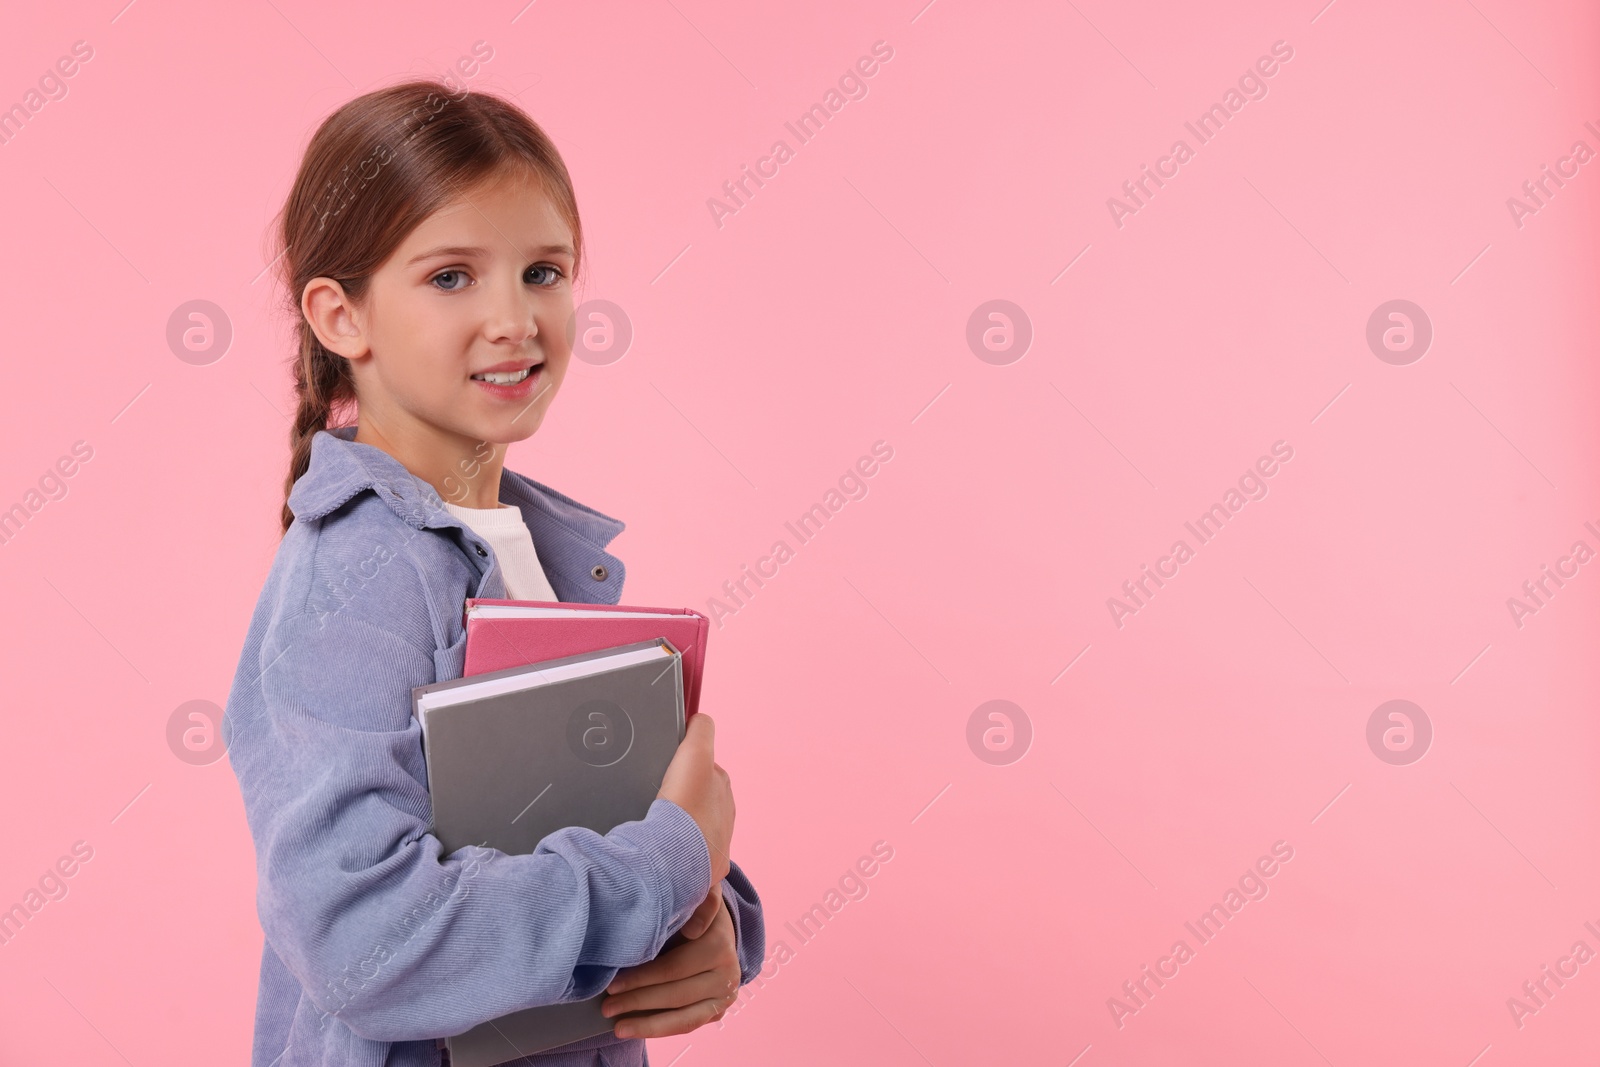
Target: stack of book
{"type": "Point", "coordinates": [565, 715]}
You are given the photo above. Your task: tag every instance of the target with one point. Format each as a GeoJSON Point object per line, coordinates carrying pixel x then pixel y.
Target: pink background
{"type": "Point", "coordinates": [831, 312]}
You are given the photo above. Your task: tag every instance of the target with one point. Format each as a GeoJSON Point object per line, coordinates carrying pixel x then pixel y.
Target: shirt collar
{"type": "Point", "coordinates": [342, 467]}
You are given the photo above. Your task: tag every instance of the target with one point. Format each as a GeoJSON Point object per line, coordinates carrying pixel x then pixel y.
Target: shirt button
{"type": "Point", "coordinates": [599, 572]}
{"type": "Point", "coordinates": [479, 550]}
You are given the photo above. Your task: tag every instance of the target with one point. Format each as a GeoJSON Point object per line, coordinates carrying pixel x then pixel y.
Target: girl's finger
{"type": "Point", "coordinates": [674, 994]}
{"type": "Point", "coordinates": [667, 1023]}
{"type": "Point", "coordinates": [688, 959]}
{"type": "Point", "coordinates": [661, 969]}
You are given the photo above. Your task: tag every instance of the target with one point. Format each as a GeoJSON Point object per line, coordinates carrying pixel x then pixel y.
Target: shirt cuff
{"type": "Point", "coordinates": [749, 927]}
{"type": "Point", "coordinates": [678, 852]}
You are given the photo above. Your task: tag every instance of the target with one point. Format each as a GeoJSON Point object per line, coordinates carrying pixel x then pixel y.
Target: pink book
{"type": "Point", "coordinates": [515, 633]}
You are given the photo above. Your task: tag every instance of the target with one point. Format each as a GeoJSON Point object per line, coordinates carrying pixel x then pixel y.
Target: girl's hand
{"type": "Point", "coordinates": [696, 784]}
{"type": "Point", "coordinates": [695, 982]}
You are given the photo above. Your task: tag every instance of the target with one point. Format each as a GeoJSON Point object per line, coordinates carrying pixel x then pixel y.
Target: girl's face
{"type": "Point", "coordinates": [482, 285]}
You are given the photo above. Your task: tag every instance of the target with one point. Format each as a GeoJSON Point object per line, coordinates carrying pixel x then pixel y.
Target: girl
{"type": "Point", "coordinates": [429, 246]}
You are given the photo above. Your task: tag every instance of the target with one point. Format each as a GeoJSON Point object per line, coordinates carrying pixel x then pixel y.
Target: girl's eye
{"type": "Point", "coordinates": [553, 274]}
{"type": "Point", "coordinates": [543, 275]}
{"type": "Point", "coordinates": [449, 274]}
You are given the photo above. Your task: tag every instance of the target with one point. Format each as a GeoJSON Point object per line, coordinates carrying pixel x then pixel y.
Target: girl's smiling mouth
{"type": "Point", "coordinates": [510, 381]}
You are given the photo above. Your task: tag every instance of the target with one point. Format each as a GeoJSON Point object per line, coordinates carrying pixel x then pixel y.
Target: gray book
{"type": "Point", "coordinates": [515, 755]}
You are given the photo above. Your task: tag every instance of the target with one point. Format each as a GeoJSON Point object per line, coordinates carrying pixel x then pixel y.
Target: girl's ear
{"type": "Point", "coordinates": [334, 318]}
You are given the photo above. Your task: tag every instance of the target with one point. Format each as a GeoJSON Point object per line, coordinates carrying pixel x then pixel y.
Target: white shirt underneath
{"type": "Point", "coordinates": [508, 535]}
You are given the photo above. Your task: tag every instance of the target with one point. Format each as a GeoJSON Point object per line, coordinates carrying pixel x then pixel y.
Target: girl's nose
{"type": "Point", "coordinates": [513, 316]}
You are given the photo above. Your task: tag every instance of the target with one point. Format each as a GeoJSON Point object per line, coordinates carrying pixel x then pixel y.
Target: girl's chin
{"type": "Point", "coordinates": [504, 428]}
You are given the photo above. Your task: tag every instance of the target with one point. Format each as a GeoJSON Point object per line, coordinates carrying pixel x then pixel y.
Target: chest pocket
{"type": "Point", "coordinates": [448, 663]}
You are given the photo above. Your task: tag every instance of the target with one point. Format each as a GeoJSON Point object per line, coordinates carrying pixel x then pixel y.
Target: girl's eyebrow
{"type": "Point", "coordinates": [474, 250]}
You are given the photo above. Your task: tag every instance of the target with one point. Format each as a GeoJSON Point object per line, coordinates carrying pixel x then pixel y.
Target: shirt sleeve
{"type": "Point", "coordinates": [396, 940]}
{"type": "Point", "coordinates": [749, 923]}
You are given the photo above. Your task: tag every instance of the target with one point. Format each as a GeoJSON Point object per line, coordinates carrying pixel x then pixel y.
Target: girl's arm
{"type": "Point", "coordinates": [394, 939]}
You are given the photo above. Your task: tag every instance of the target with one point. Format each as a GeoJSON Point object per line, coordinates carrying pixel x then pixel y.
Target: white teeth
{"type": "Point", "coordinates": [504, 377]}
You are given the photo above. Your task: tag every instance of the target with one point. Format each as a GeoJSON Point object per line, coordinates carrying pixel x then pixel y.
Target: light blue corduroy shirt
{"type": "Point", "coordinates": [376, 943]}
